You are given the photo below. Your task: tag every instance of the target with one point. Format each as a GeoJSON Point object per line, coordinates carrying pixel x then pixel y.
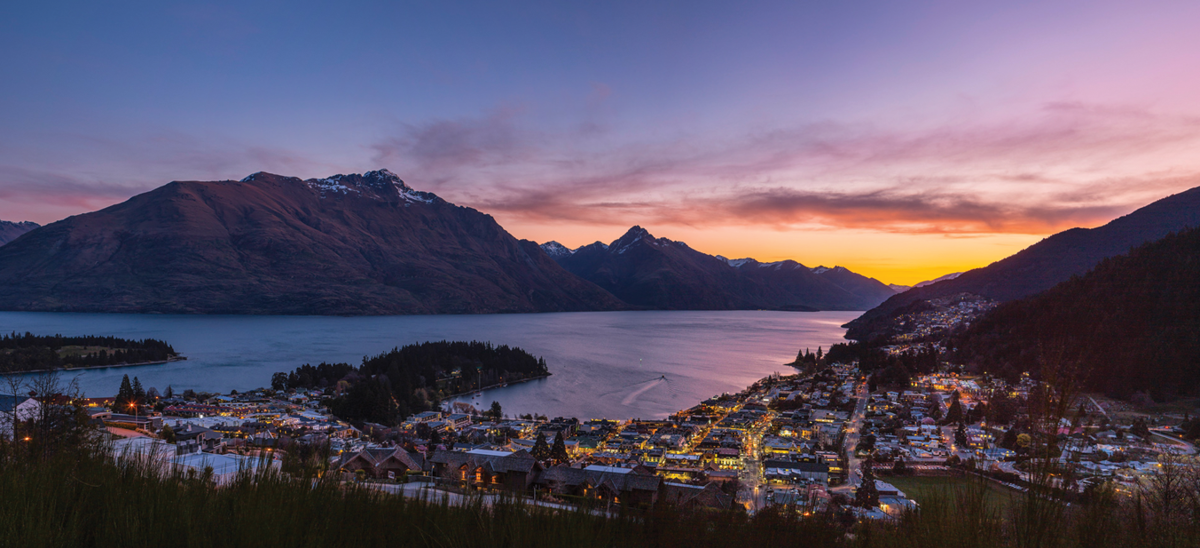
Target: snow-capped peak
{"type": "Point", "coordinates": [737, 263]}
{"type": "Point", "coordinates": [633, 237]}
{"type": "Point", "coordinates": [380, 184]}
{"type": "Point", "coordinates": [556, 250]}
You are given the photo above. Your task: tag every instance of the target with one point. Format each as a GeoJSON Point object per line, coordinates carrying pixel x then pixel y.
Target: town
{"type": "Point", "coordinates": [816, 442]}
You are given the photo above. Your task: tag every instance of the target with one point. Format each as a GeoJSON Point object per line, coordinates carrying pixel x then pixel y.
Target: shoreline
{"type": "Point", "coordinates": [89, 367]}
{"type": "Point", "coordinates": [459, 394]}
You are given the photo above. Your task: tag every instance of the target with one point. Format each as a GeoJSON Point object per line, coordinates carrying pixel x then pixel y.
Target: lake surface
{"type": "Point", "coordinates": [617, 365]}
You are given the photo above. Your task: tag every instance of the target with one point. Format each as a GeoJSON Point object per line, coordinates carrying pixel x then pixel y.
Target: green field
{"type": "Point", "coordinates": [924, 488]}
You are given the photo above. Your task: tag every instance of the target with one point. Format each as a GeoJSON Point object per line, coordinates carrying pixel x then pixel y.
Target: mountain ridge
{"type": "Point", "coordinates": [1132, 322]}
{"type": "Point", "coordinates": [660, 273]}
{"type": "Point", "coordinates": [270, 244]}
{"type": "Point", "coordinates": [11, 230]}
{"type": "Point", "coordinates": [1042, 265]}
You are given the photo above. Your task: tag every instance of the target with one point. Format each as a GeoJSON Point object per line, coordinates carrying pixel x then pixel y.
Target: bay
{"type": "Point", "coordinates": [619, 365]}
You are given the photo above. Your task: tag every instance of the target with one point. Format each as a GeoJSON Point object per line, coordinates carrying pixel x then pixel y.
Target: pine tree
{"type": "Point", "coordinates": [960, 436]}
{"type": "Point", "coordinates": [541, 449]}
{"type": "Point", "coordinates": [558, 453]}
{"type": "Point", "coordinates": [955, 414]}
{"type": "Point", "coordinates": [867, 494]}
{"type": "Point", "coordinates": [139, 395]}
{"type": "Point", "coordinates": [124, 393]}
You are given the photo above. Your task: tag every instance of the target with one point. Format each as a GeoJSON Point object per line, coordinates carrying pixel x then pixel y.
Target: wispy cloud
{"type": "Point", "coordinates": [1067, 164]}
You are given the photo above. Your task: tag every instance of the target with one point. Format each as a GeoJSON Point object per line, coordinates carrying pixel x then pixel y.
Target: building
{"type": "Point", "coordinates": [636, 486]}
{"type": "Point", "coordinates": [20, 408]}
{"type": "Point", "coordinates": [381, 462]}
{"type": "Point", "coordinates": [795, 472]}
{"type": "Point", "coordinates": [486, 469]}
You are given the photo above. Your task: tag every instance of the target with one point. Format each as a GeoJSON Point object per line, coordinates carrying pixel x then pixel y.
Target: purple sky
{"type": "Point", "coordinates": [901, 139]}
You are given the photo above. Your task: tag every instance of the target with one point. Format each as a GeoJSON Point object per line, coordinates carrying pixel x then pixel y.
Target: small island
{"type": "Point", "coordinates": [31, 353]}
{"type": "Point", "coordinates": [388, 387]}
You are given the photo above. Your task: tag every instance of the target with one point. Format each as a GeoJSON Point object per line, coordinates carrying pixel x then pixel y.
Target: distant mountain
{"type": "Point", "coordinates": [555, 250]}
{"type": "Point", "coordinates": [10, 230]}
{"type": "Point", "coordinates": [1132, 323]}
{"type": "Point", "coordinates": [663, 274]}
{"type": "Point", "coordinates": [269, 244]}
{"type": "Point", "coordinates": [952, 276]}
{"type": "Point", "coordinates": [899, 288]}
{"type": "Point", "coordinates": [1046, 263]}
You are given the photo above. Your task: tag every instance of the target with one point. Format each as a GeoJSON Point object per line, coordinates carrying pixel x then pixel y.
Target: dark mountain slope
{"type": "Point", "coordinates": [1048, 262]}
{"type": "Point", "coordinates": [352, 244]}
{"type": "Point", "coordinates": [1133, 323]}
{"type": "Point", "coordinates": [10, 230]}
{"type": "Point", "coordinates": [663, 274]}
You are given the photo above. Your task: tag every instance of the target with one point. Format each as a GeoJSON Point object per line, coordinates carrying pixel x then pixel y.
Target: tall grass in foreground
{"type": "Point", "coordinates": [95, 501]}
{"type": "Point", "coordinates": [72, 500]}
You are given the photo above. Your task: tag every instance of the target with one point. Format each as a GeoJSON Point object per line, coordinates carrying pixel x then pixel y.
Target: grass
{"type": "Point", "coordinates": [76, 351]}
{"type": "Point", "coordinates": [924, 488]}
{"type": "Point", "coordinates": [86, 500]}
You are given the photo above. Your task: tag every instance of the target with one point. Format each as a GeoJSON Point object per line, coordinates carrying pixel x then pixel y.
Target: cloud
{"type": "Point", "coordinates": [1064, 165]}
{"type": "Point", "coordinates": [454, 145]}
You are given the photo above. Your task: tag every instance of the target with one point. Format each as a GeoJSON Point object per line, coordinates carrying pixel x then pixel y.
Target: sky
{"type": "Point", "coordinates": [902, 140]}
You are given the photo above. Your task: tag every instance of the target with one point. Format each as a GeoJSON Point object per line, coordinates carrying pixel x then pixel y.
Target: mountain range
{"type": "Point", "coordinates": [659, 273]}
{"type": "Point", "coordinates": [269, 244]}
{"type": "Point", "coordinates": [370, 244]}
{"type": "Point", "coordinates": [10, 230]}
{"type": "Point", "coordinates": [1041, 266]}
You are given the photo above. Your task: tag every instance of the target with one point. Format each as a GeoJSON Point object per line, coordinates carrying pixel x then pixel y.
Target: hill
{"type": "Point", "coordinates": [10, 230]}
{"type": "Point", "coordinates": [269, 244]}
{"type": "Point", "coordinates": [1133, 323]}
{"type": "Point", "coordinates": [659, 273]}
{"type": "Point", "coordinates": [1046, 263]}
{"type": "Point", "coordinates": [393, 385]}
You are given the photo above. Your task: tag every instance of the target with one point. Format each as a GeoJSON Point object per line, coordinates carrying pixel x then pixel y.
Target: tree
{"type": "Point", "coordinates": [867, 494]}
{"type": "Point", "coordinates": [139, 395]}
{"type": "Point", "coordinates": [170, 393]}
{"type": "Point", "coordinates": [541, 449]}
{"type": "Point", "coordinates": [558, 453]}
{"type": "Point", "coordinates": [279, 381]}
{"type": "Point", "coordinates": [955, 414]}
{"type": "Point", "coordinates": [1140, 429]}
{"type": "Point", "coordinates": [124, 393]}
{"type": "Point", "coordinates": [900, 468]}
{"type": "Point", "coordinates": [496, 411]}
{"type": "Point", "coordinates": [1009, 441]}
{"type": "Point", "coordinates": [960, 435]}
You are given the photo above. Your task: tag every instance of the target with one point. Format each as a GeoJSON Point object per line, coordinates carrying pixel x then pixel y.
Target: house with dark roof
{"type": "Point", "coordinates": [695, 496]}
{"type": "Point", "coordinates": [487, 469]}
{"type": "Point", "coordinates": [636, 486]}
{"type": "Point", "coordinates": [382, 462]}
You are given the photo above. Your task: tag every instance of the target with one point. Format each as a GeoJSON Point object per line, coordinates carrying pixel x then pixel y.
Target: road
{"type": "Point", "coordinates": [853, 434]}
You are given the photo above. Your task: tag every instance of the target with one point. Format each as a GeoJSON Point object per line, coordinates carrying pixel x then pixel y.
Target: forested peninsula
{"type": "Point", "coordinates": [414, 378]}
{"type": "Point", "coordinates": [29, 352]}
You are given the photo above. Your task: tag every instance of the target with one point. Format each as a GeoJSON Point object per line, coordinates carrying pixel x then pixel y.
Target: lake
{"type": "Point", "coordinates": [617, 365]}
